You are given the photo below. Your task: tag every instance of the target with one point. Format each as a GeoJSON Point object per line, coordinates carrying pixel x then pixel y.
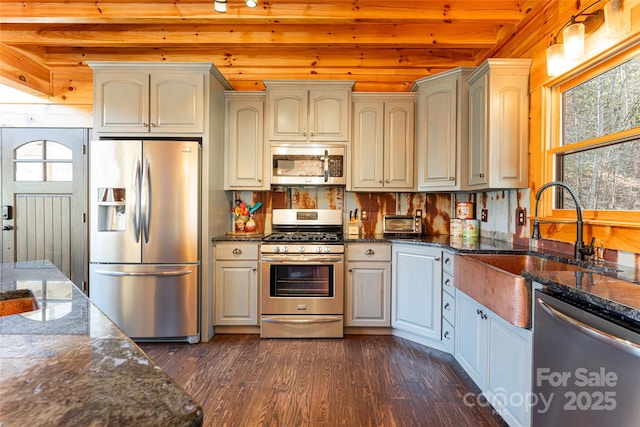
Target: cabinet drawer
{"type": "Point", "coordinates": [448, 307]}
{"type": "Point", "coordinates": [448, 285]}
{"type": "Point", "coordinates": [237, 251]}
{"type": "Point", "coordinates": [448, 336]}
{"type": "Point", "coordinates": [447, 262]}
{"type": "Point", "coordinates": [368, 252]}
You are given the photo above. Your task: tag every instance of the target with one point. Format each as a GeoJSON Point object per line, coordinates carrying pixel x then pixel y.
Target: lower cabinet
{"type": "Point", "coordinates": [236, 284]}
{"type": "Point", "coordinates": [417, 292]}
{"type": "Point", "coordinates": [368, 286]}
{"type": "Point", "coordinates": [497, 356]}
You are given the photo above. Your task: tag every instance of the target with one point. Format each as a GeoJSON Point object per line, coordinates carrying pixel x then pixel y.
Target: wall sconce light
{"type": "Point", "coordinates": [561, 56]}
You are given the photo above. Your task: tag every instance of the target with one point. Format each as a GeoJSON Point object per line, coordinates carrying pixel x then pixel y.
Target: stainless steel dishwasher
{"type": "Point", "coordinates": [586, 366]}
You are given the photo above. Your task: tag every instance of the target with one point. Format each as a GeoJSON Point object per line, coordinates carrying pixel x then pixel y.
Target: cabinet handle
{"type": "Point", "coordinates": [484, 316]}
{"type": "Point", "coordinates": [447, 335]}
{"type": "Point", "coordinates": [478, 311]}
{"type": "Point", "coordinates": [481, 175]}
{"type": "Point", "coordinates": [237, 251]}
{"type": "Point", "coordinates": [369, 252]}
{"type": "Point", "coordinates": [447, 260]}
{"type": "Point", "coordinates": [447, 282]}
{"type": "Point", "coordinates": [447, 306]}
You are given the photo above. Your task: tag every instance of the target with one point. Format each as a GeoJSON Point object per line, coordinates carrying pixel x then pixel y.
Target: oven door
{"type": "Point", "coordinates": [302, 284]}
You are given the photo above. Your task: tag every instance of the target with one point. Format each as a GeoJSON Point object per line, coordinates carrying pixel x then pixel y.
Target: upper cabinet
{"type": "Point", "coordinates": [498, 124]}
{"type": "Point", "coordinates": [167, 100]}
{"type": "Point", "coordinates": [246, 162]}
{"type": "Point", "coordinates": [442, 131]}
{"type": "Point", "coordinates": [308, 111]}
{"type": "Point", "coordinates": [383, 142]}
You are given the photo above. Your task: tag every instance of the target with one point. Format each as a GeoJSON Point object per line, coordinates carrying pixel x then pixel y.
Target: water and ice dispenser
{"type": "Point", "coordinates": [111, 209]}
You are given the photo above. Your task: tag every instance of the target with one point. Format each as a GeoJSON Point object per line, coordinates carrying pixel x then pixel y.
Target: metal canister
{"type": "Point", "coordinates": [470, 228]}
{"type": "Point", "coordinates": [455, 227]}
{"type": "Point", "coordinates": [465, 210]}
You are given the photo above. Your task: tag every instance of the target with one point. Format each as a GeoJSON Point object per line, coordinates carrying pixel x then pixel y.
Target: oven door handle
{"type": "Point", "coordinates": [590, 331]}
{"type": "Point", "coordinates": [291, 259]}
{"type": "Point", "coordinates": [318, 320]}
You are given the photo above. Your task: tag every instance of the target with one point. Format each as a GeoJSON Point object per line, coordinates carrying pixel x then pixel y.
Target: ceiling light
{"type": "Point", "coordinates": [220, 6]}
{"type": "Point", "coordinates": [617, 18]}
{"type": "Point", "coordinates": [251, 3]}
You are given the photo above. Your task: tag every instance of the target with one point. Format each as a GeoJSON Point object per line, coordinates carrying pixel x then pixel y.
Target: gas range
{"type": "Point", "coordinates": [312, 231]}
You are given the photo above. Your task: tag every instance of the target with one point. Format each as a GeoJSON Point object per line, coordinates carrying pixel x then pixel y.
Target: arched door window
{"type": "Point", "coordinates": [43, 161]}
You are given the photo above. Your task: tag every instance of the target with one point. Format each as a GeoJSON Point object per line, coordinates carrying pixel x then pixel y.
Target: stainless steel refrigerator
{"type": "Point", "coordinates": [144, 240]}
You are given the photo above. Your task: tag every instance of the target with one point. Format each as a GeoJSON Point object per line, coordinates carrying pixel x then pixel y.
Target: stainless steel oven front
{"type": "Point", "coordinates": [302, 295]}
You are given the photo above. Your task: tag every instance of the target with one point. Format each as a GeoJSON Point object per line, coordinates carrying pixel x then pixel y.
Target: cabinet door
{"type": "Point", "coordinates": [121, 102]}
{"type": "Point", "coordinates": [471, 339]}
{"type": "Point", "coordinates": [399, 144]}
{"type": "Point", "coordinates": [368, 146]}
{"type": "Point", "coordinates": [245, 161]}
{"type": "Point", "coordinates": [368, 289]}
{"type": "Point", "coordinates": [177, 102]}
{"type": "Point", "coordinates": [509, 372]}
{"type": "Point", "coordinates": [438, 136]}
{"type": "Point", "coordinates": [236, 293]}
{"type": "Point", "coordinates": [329, 115]}
{"type": "Point", "coordinates": [417, 290]}
{"type": "Point", "coordinates": [478, 132]}
{"type": "Point", "coordinates": [287, 114]}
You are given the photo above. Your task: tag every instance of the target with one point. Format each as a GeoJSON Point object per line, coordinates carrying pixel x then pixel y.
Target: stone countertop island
{"type": "Point", "coordinates": [67, 364]}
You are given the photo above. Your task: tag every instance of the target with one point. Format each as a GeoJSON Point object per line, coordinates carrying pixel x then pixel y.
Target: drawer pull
{"type": "Point", "coordinates": [447, 335]}
{"type": "Point", "coordinates": [447, 282]}
{"type": "Point", "coordinates": [237, 251]}
{"type": "Point", "coordinates": [447, 260]}
{"type": "Point", "coordinates": [447, 306]}
{"type": "Point", "coordinates": [369, 252]}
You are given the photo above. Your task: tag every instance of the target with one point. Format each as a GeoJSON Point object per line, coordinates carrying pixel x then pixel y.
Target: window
{"type": "Point", "coordinates": [43, 161]}
{"type": "Point", "coordinates": [604, 172]}
{"type": "Point", "coordinates": [597, 149]}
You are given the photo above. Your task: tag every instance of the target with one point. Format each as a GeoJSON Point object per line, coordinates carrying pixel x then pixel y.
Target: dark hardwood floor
{"type": "Point", "coordinates": [242, 380]}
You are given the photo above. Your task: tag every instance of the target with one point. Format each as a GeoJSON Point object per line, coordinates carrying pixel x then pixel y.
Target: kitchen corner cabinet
{"type": "Point", "coordinates": [368, 287]}
{"type": "Point", "coordinates": [246, 164]}
{"type": "Point", "coordinates": [442, 131]}
{"type": "Point", "coordinates": [167, 100]}
{"type": "Point", "coordinates": [383, 142]}
{"type": "Point", "coordinates": [499, 124]}
{"type": "Point", "coordinates": [308, 111]}
{"type": "Point", "coordinates": [416, 291]}
{"type": "Point", "coordinates": [497, 356]}
{"type": "Point", "coordinates": [236, 283]}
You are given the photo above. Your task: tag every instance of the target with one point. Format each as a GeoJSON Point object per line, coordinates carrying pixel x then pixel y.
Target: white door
{"type": "Point", "coordinates": [43, 198]}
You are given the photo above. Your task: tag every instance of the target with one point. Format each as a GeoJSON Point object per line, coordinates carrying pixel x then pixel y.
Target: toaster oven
{"type": "Point", "coordinates": [402, 224]}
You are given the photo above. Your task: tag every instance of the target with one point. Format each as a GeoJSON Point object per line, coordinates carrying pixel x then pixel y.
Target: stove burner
{"type": "Point", "coordinates": [304, 237]}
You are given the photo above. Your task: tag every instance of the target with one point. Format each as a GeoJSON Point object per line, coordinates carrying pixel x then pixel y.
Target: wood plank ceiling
{"type": "Point", "coordinates": [382, 45]}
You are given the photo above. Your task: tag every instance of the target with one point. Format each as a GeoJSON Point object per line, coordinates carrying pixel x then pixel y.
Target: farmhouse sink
{"type": "Point", "coordinates": [494, 281]}
{"type": "Point", "coordinates": [17, 301]}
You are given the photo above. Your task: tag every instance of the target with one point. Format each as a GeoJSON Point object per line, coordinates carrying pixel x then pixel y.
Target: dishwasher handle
{"type": "Point", "coordinates": [590, 331]}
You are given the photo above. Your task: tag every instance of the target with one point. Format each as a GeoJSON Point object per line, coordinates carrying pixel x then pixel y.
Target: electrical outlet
{"type": "Point", "coordinates": [363, 215]}
{"type": "Point", "coordinates": [521, 214]}
{"type": "Point", "coordinates": [484, 215]}
{"type": "Point", "coordinates": [419, 213]}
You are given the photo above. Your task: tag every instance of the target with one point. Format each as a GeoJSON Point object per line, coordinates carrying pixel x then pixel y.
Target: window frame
{"type": "Point", "coordinates": [552, 147]}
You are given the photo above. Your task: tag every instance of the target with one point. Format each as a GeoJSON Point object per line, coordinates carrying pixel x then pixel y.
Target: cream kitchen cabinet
{"type": "Point", "coordinates": [499, 124]}
{"type": "Point", "coordinates": [236, 283]}
{"type": "Point", "coordinates": [308, 111]}
{"type": "Point", "coordinates": [246, 159]}
{"type": "Point", "coordinates": [416, 293]}
{"type": "Point", "coordinates": [497, 356]}
{"type": "Point", "coordinates": [442, 131]}
{"type": "Point", "coordinates": [368, 286]}
{"type": "Point", "coordinates": [131, 99]}
{"type": "Point", "coordinates": [383, 142]}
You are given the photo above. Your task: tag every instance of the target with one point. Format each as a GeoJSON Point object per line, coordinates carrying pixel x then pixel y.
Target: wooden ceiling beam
{"type": "Point", "coordinates": [409, 35]}
{"type": "Point", "coordinates": [21, 70]}
{"type": "Point", "coordinates": [267, 12]}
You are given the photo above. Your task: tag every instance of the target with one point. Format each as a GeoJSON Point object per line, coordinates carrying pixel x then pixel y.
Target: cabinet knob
{"type": "Point", "coordinates": [304, 134]}
{"type": "Point", "coordinates": [153, 125]}
{"type": "Point", "coordinates": [254, 269]}
{"type": "Point", "coordinates": [447, 306]}
{"type": "Point", "coordinates": [237, 251]}
{"type": "Point", "coordinates": [386, 180]}
{"type": "Point", "coordinates": [447, 260]}
{"type": "Point", "coordinates": [369, 252]}
{"type": "Point", "coordinates": [312, 134]}
{"type": "Point", "coordinates": [259, 179]}
{"type": "Point", "coordinates": [447, 282]}
{"type": "Point", "coordinates": [145, 124]}
{"type": "Point", "coordinates": [451, 178]}
{"type": "Point", "coordinates": [447, 335]}
{"type": "Point", "coordinates": [481, 175]}
{"type": "Point", "coordinates": [350, 270]}
{"type": "Point", "coordinates": [380, 181]}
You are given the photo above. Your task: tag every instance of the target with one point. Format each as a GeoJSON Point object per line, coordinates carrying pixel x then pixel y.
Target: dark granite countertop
{"type": "Point", "coordinates": [68, 364]}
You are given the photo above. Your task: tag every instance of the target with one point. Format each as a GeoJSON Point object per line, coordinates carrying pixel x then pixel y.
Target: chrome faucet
{"type": "Point", "coordinates": [580, 251]}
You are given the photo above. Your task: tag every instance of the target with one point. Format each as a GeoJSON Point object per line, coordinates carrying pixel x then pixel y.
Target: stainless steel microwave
{"type": "Point", "coordinates": [297, 164]}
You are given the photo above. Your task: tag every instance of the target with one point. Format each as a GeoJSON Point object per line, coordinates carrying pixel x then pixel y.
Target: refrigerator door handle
{"type": "Point", "coordinates": [144, 273]}
{"type": "Point", "coordinates": [135, 214]}
{"type": "Point", "coordinates": [145, 200]}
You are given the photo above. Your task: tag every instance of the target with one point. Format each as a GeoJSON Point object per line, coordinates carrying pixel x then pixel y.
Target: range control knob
{"type": "Point", "coordinates": [276, 249]}
{"type": "Point", "coordinates": [318, 249]}
{"type": "Point", "coordinates": [301, 249]}
{"type": "Point", "coordinates": [327, 249]}
{"type": "Point", "coordinates": [285, 249]}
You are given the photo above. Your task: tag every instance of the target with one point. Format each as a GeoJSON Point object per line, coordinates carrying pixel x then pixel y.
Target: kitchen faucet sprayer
{"type": "Point", "coordinates": [579, 250]}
